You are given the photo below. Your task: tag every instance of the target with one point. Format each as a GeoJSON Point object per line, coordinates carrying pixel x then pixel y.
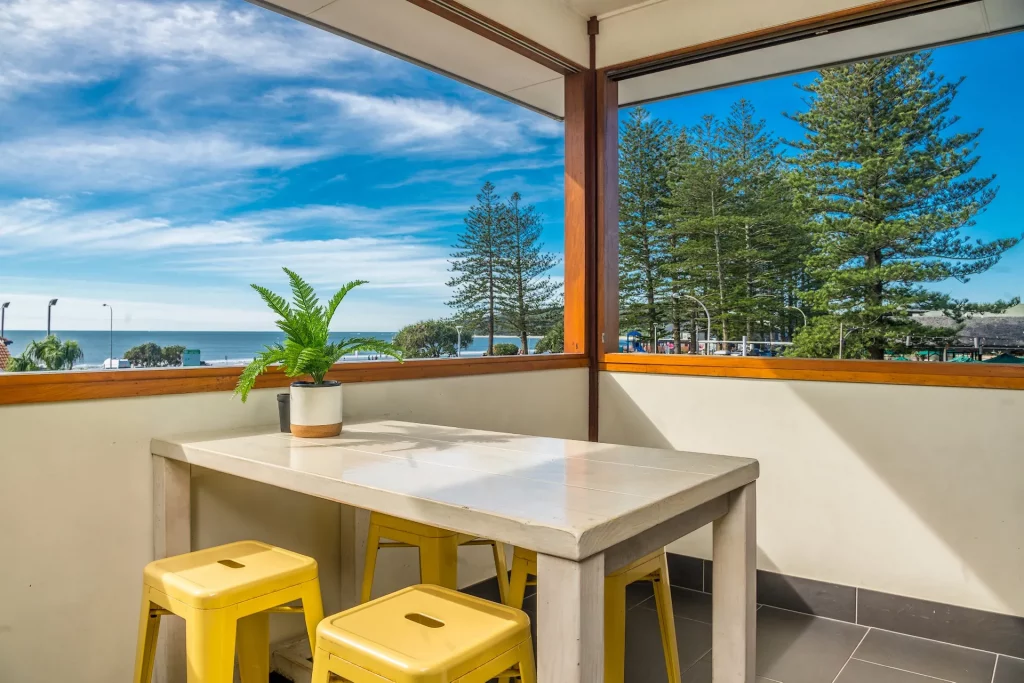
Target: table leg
{"type": "Point", "coordinates": [172, 535]}
{"type": "Point", "coordinates": [733, 599]}
{"type": "Point", "coordinates": [570, 620]}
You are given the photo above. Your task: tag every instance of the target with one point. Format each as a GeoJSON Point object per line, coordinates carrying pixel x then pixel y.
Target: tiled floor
{"type": "Point", "coordinates": [796, 648]}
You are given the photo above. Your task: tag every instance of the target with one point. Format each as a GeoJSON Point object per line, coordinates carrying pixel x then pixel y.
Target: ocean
{"type": "Point", "coordinates": [216, 348]}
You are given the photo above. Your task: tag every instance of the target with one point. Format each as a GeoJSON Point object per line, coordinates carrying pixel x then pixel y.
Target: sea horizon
{"type": "Point", "coordinates": [216, 348]}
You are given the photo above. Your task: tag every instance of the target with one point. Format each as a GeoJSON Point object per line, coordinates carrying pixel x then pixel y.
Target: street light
{"type": "Point", "coordinates": [458, 345]}
{"type": "Point", "coordinates": [842, 337]}
{"type": "Point", "coordinates": [801, 313]}
{"type": "Point", "coordinates": [53, 302]}
{"type": "Point", "coordinates": [112, 363]}
{"type": "Point", "coordinates": [3, 315]}
{"type": "Point", "coordinates": [707, 349]}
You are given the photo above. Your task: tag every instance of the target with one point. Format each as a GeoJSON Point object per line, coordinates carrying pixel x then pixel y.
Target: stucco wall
{"type": "Point", "coordinates": [76, 506]}
{"type": "Point", "coordinates": [917, 491]}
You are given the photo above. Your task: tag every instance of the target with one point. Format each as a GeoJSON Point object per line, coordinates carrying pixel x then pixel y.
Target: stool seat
{"type": "Point", "coordinates": [225, 595]}
{"type": "Point", "coordinates": [438, 549]}
{"type": "Point", "coordinates": [229, 574]}
{"type": "Point", "coordinates": [424, 634]}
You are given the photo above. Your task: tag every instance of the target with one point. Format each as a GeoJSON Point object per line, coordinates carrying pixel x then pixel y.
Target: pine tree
{"type": "Point", "coordinates": [477, 260]}
{"type": "Point", "coordinates": [887, 181]}
{"type": "Point", "coordinates": [706, 234]}
{"type": "Point", "coordinates": [773, 241]}
{"type": "Point", "coordinates": [645, 152]}
{"type": "Point", "coordinates": [524, 292]}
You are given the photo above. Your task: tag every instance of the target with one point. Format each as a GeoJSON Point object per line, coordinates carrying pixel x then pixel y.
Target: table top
{"type": "Point", "coordinates": [560, 497]}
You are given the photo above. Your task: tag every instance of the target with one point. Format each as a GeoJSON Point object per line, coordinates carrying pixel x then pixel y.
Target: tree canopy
{"type": "Point", "coordinates": [853, 225]}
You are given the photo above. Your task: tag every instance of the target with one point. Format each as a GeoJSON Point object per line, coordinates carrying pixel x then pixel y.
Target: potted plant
{"type": "Point", "coordinates": [307, 351]}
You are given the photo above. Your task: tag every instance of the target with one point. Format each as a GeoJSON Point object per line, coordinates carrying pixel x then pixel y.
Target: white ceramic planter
{"type": "Point", "coordinates": [316, 409]}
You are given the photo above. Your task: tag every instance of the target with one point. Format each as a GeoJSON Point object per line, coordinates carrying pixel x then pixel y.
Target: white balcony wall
{"type": "Point", "coordinates": [917, 491]}
{"type": "Point", "coordinates": [76, 506]}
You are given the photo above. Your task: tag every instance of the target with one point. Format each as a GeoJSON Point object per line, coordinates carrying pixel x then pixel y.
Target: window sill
{"type": "Point", "coordinates": [51, 387]}
{"type": "Point", "coordinates": [975, 375]}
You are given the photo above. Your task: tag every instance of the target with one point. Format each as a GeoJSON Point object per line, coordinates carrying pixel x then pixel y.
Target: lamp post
{"type": "Point", "coordinates": [53, 302]}
{"type": "Point", "coordinates": [842, 337]}
{"type": "Point", "coordinates": [801, 313]}
{"type": "Point", "coordinates": [707, 345]}
{"type": "Point", "coordinates": [3, 316]}
{"type": "Point", "coordinates": [458, 344]}
{"type": "Point", "coordinates": [113, 365]}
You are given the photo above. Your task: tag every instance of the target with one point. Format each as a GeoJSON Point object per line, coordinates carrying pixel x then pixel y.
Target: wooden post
{"type": "Point", "coordinates": [172, 535]}
{"type": "Point", "coordinates": [591, 220]}
{"type": "Point", "coordinates": [570, 619]}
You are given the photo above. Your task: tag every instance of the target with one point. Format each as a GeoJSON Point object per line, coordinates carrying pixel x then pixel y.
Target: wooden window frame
{"type": "Point", "coordinates": [604, 259]}
{"type": "Point", "coordinates": [591, 267]}
{"type": "Point", "coordinates": [53, 387]}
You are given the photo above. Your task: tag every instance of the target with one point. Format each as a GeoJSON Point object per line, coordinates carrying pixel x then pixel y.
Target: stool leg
{"type": "Point", "coordinates": [501, 569]}
{"type": "Point", "coordinates": [372, 546]}
{"type": "Point", "coordinates": [312, 610]}
{"type": "Point", "coordinates": [254, 648]}
{"type": "Point", "coordinates": [145, 653]}
{"type": "Point", "coordinates": [321, 674]}
{"type": "Point", "coordinates": [210, 646]}
{"type": "Point", "coordinates": [517, 585]}
{"type": "Point", "coordinates": [614, 631]}
{"type": "Point", "coordinates": [439, 561]}
{"type": "Point", "coordinates": [527, 666]}
{"type": "Point", "coordinates": [666, 619]}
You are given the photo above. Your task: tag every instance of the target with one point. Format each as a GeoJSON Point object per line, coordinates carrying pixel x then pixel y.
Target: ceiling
{"type": "Point", "coordinates": [650, 28]}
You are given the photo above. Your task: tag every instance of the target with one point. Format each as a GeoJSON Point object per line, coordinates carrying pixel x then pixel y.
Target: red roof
{"type": "Point", "coordinates": [5, 355]}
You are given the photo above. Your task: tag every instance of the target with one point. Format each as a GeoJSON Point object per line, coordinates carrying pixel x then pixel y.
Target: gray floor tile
{"type": "Point", "coordinates": [638, 592]}
{"type": "Point", "coordinates": [858, 671]}
{"type": "Point", "coordinates": [1009, 670]}
{"type": "Point", "coordinates": [797, 648]}
{"type": "Point", "coordinates": [928, 657]}
{"type": "Point", "coordinates": [701, 673]}
{"type": "Point", "coordinates": [645, 659]}
{"type": "Point", "coordinates": [688, 604]}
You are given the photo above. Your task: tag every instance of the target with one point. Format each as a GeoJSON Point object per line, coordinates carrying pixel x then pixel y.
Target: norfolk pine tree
{"type": "Point", "coordinates": [477, 261]}
{"type": "Point", "coordinates": [885, 174]}
{"type": "Point", "coordinates": [645, 152]}
{"type": "Point", "coordinates": [524, 293]}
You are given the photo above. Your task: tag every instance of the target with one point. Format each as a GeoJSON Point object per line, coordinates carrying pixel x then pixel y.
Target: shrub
{"type": "Point", "coordinates": [431, 339]}
{"type": "Point", "coordinates": [506, 349]}
{"type": "Point", "coordinates": [553, 341]}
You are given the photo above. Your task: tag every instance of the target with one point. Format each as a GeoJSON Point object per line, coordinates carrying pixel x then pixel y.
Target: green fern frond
{"type": "Point", "coordinates": [259, 365]}
{"type": "Point", "coordinates": [303, 293]}
{"type": "Point", "coordinates": [336, 300]}
{"type": "Point", "coordinates": [276, 302]}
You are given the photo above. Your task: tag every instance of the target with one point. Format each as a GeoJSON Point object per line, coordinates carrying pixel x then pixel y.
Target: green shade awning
{"type": "Point", "coordinates": [1006, 359]}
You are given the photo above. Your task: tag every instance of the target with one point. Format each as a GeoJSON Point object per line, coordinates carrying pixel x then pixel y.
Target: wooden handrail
{"type": "Point", "coordinates": [976, 375]}
{"type": "Point", "coordinates": [48, 387]}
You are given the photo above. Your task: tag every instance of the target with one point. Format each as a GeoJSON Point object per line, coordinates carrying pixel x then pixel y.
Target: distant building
{"type": "Point", "coordinates": [992, 330]}
{"type": "Point", "coordinates": [190, 358]}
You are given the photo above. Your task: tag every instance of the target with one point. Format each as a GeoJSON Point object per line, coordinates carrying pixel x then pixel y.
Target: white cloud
{"type": "Point", "coordinates": [135, 160]}
{"type": "Point", "coordinates": [53, 41]}
{"type": "Point", "coordinates": [413, 124]}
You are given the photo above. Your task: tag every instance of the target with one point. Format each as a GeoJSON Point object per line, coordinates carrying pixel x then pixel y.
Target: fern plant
{"type": "Point", "coordinates": [307, 349]}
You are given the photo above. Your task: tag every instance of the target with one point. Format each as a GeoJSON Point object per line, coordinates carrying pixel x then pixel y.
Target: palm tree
{"type": "Point", "coordinates": [54, 354]}
{"type": "Point", "coordinates": [22, 363]}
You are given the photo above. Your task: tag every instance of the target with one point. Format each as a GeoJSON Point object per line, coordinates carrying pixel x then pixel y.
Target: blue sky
{"type": "Point", "coordinates": [160, 155]}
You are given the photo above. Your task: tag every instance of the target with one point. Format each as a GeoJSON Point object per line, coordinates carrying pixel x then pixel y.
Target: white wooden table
{"type": "Point", "coordinates": [586, 508]}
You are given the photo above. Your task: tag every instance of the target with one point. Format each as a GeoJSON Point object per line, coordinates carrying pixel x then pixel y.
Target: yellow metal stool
{"type": "Point", "coordinates": [654, 568]}
{"type": "Point", "coordinates": [438, 551]}
{"type": "Point", "coordinates": [425, 634]}
{"type": "Point", "coordinates": [221, 592]}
